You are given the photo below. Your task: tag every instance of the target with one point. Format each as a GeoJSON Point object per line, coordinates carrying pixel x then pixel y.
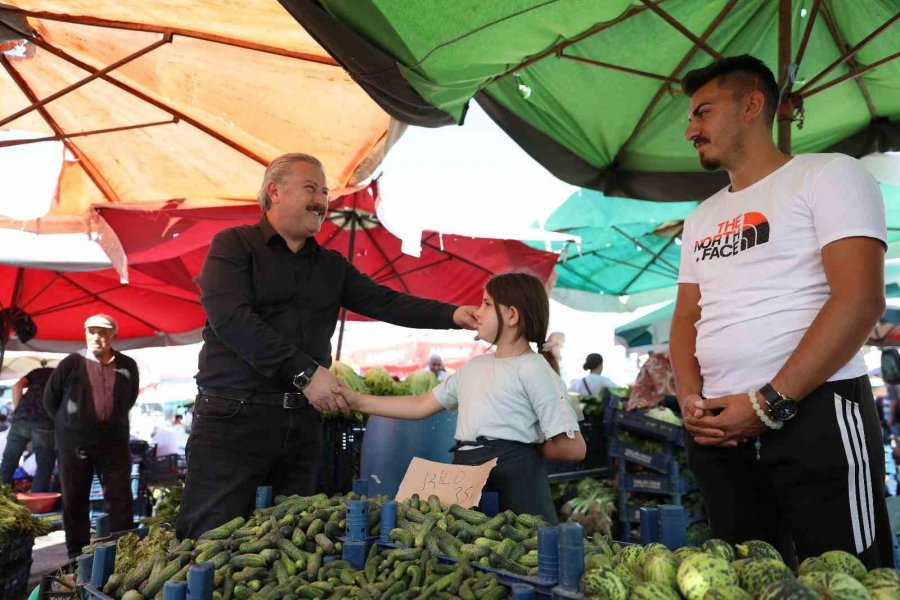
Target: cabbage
{"type": "Point", "coordinates": [662, 413]}
{"type": "Point", "coordinates": [421, 382]}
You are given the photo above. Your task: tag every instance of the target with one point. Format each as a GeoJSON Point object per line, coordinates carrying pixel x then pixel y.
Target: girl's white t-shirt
{"type": "Point", "coordinates": [756, 255]}
{"type": "Point", "coordinates": [518, 398]}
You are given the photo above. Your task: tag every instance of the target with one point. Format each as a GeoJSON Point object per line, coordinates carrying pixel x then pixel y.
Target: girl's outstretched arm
{"type": "Point", "coordinates": [563, 448]}
{"type": "Point", "coordinates": [396, 407]}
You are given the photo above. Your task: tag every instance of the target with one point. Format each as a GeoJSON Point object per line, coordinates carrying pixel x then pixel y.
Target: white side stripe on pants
{"type": "Point", "coordinates": [867, 473]}
{"type": "Point", "coordinates": [859, 483]}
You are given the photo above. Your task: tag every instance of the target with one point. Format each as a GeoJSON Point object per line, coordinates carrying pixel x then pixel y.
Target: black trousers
{"type": "Point", "coordinates": [237, 445]}
{"type": "Point", "coordinates": [112, 463]}
{"type": "Point", "coordinates": [818, 484]}
{"type": "Point", "coordinates": [519, 479]}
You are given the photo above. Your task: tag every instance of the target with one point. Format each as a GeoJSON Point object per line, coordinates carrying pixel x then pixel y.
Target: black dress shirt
{"type": "Point", "coordinates": [271, 312]}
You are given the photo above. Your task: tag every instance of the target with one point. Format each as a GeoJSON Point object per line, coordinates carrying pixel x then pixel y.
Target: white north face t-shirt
{"type": "Point", "coordinates": [756, 255]}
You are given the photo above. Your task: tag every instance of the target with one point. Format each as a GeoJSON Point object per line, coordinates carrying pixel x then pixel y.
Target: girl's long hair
{"type": "Point", "coordinates": [528, 295]}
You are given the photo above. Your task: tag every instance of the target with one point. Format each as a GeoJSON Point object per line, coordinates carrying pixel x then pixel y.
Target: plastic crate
{"type": "Point", "coordinates": [632, 511]}
{"type": "Point", "coordinates": [636, 421]}
{"type": "Point", "coordinates": [161, 470]}
{"type": "Point", "coordinates": [92, 592]}
{"type": "Point", "coordinates": [13, 584]}
{"type": "Point", "coordinates": [342, 443]}
{"type": "Point", "coordinates": [652, 460]}
{"type": "Point", "coordinates": [16, 551]}
{"type": "Point", "coordinates": [658, 484]}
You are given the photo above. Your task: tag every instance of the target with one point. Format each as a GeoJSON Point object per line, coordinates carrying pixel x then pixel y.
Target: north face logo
{"type": "Point", "coordinates": [733, 236]}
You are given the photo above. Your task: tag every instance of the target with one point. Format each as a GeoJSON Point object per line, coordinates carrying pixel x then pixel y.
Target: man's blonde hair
{"type": "Point", "coordinates": [278, 170]}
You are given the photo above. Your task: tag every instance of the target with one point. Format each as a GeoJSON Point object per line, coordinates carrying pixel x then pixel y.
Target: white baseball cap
{"type": "Point", "coordinates": [101, 320]}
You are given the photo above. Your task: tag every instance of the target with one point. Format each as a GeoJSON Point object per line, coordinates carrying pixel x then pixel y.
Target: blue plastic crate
{"type": "Point", "coordinates": [658, 484]}
{"type": "Point", "coordinates": [652, 460]}
{"type": "Point", "coordinates": [636, 421]}
{"type": "Point", "coordinates": [92, 592]}
{"type": "Point", "coordinates": [632, 512]}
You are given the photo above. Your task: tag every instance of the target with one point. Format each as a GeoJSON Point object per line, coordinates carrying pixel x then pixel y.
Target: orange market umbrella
{"type": "Point", "coordinates": [159, 101]}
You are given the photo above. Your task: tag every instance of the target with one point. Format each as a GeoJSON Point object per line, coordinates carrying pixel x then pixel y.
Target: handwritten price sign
{"type": "Point", "coordinates": [453, 484]}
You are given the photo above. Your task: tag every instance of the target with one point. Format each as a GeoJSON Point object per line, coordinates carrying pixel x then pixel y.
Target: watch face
{"type": "Point", "coordinates": [784, 410]}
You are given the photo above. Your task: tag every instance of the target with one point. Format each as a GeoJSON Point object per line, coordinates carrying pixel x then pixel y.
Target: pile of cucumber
{"type": "Point", "coordinates": [280, 552]}
{"type": "Point", "coordinates": [506, 541]}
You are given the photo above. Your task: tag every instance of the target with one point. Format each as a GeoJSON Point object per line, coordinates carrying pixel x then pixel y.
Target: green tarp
{"type": "Point", "coordinates": [550, 73]}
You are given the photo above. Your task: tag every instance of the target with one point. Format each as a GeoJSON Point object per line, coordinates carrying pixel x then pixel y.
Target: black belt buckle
{"type": "Point", "coordinates": [294, 400]}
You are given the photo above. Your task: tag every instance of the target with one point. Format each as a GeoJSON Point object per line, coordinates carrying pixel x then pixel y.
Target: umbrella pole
{"type": "Point", "coordinates": [337, 354]}
{"type": "Point", "coordinates": [5, 333]}
{"type": "Point", "coordinates": [784, 64]}
{"type": "Point", "coordinates": [3, 339]}
{"type": "Point", "coordinates": [353, 216]}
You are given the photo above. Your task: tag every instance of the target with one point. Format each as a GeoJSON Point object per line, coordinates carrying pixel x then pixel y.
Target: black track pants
{"type": "Point", "coordinates": [818, 484]}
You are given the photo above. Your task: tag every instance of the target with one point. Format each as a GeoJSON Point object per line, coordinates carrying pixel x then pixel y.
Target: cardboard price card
{"type": "Point", "coordinates": [453, 484]}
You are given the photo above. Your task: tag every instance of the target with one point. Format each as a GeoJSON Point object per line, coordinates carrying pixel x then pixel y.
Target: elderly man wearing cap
{"type": "Point", "coordinates": [89, 396]}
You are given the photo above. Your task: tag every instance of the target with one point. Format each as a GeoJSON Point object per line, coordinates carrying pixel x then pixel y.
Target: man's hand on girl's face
{"type": "Point", "coordinates": [464, 316]}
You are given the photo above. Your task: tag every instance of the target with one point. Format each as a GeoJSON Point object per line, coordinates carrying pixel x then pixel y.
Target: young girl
{"type": "Point", "coordinates": [512, 404]}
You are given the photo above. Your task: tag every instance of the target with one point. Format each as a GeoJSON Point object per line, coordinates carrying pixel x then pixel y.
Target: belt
{"type": "Point", "coordinates": [481, 441]}
{"type": "Point", "coordinates": [286, 400]}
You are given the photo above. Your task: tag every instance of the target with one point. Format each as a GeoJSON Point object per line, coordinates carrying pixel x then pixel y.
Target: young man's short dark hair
{"type": "Point", "coordinates": [742, 74]}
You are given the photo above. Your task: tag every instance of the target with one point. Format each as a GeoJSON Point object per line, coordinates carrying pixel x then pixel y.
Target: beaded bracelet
{"type": "Point", "coordinates": [754, 402]}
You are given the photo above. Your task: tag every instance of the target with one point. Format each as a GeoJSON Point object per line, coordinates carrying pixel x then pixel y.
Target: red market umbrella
{"type": "Point", "coordinates": [44, 309]}
{"type": "Point", "coordinates": [154, 232]}
{"type": "Point", "coordinates": [451, 268]}
{"type": "Point", "coordinates": [402, 359]}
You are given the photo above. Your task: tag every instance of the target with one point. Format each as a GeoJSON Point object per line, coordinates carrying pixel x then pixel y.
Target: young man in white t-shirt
{"type": "Point", "coordinates": [781, 283]}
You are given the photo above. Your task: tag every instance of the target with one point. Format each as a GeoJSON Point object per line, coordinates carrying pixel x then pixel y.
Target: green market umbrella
{"type": "Point", "coordinates": [591, 89]}
{"type": "Point", "coordinates": [631, 249]}
{"type": "Point", "coordinates": [648, 332]}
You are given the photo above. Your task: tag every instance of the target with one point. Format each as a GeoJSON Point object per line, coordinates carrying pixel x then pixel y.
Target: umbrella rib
{"type": "Point", "coordinates": [807, 33]}
{"type": "Point", "coordinates": [67, 136]}
{"type": "Point", "coordinates": [415, 269]}
{"type": "Point", "coordinates": [558, 48]}
{"type": "Point", "coordinates": [380, 251]}
{"type": "Point", "coordinates": [152, 101]}
{"type": "Point", "coordinates": [82, 82]}
{"type": "Point", "coordinates": [119, 308]}
{"type": "Point", "coordinates": [851, 75]}
{"type": "Point", "coordinates": [40, 291]}
{"type": "Point", "coordinates": [172, 31]}
{"type": "Point", "coordinates": [643, 247]}
{"type": "Point", "coordinates": [851, 63]}
{"type": "Point", "coordinates": [88, 166]}
{"type": "Point", "coordinates": [597, 63]}
{"type": "Point", "coordinates": [849, 54]}
{"type": "Point", "coordinates": [88, 296]}
{"type": "Point", "coordinates": [653, 258]}
{"type": "Point", "coordinates": [333, 235]}
{"type": "Point", "coordinates": [425, 242]}
{"type": "Point", "coordinates": [698, 42]}
{"type": "Point", "coordinates": [661, 92]}
{"type": "Point", "coordinates": [619, 261]}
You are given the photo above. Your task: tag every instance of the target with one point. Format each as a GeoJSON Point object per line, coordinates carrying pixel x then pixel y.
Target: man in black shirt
{"type": "Point", "coordinates": [272, 296]}
{"type": "Point", "coordinates": [30, 423]}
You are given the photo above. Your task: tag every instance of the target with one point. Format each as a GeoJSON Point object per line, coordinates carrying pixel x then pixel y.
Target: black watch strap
{"type": "Point", "coordinates": [304, 377]}
{"type": "Point", "coordinates": [769, 393]}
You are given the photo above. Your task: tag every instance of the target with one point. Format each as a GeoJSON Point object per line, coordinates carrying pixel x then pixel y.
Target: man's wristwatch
{"type": "Point", "coordinates": [780, 406]}
{"type": "Point", "coordinates": [304, 377]}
